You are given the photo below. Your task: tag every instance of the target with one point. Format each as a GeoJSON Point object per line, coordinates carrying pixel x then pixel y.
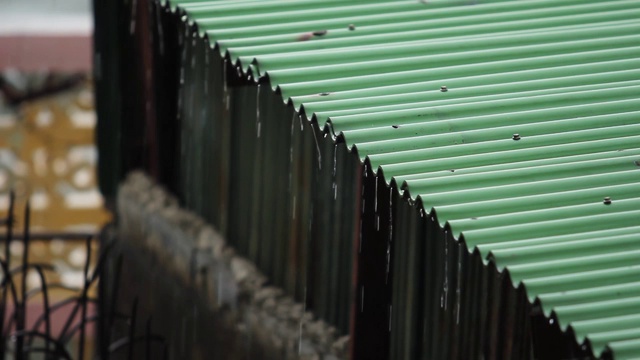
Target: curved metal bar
{"type": "Point", "coordinates": [19, 269]}
{"type": "Point", "coordinates": [100, 263]}
{"type": "Point", "coordinates": [83, 300]}
{"type": "Point", "coordinates": [57, 306]}
{"type": "Point", "coordinates": [60, 350]}
{"type": "Point", "coordinates": [6, 266]}
{"type": "Point", "coordinates": [77, 327]}
{"type": "Point", "coordinates": [21, 314]}
{"type": "Point", "coordinates": [33, 292]}
{"type": "Point", "coordinates": [46, 309]}
{"type": "Point", "coordinates": [8, 278]}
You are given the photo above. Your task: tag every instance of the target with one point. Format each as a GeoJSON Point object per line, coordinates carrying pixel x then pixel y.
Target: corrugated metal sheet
{"type": "Point", "coordinates": [513, 124]}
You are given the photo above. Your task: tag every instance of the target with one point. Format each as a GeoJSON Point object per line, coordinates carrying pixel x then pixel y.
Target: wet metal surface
{"type": "Point", "coordinates": [430, 179]}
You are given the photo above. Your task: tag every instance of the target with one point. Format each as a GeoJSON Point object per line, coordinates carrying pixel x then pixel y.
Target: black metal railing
{"type": "Point", "coordinates": [60, 326]}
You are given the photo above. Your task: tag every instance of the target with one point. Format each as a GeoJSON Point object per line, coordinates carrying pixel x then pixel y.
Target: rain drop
{"type": "Point", "coordinates": [315, 138]}
{"type": "Point", "coordinates": [293, 118]}
{"type": "Point", "coordinates": [132, 25]}
{"type": "Point", "coordinates": [293, 212]}
{"type": "Point", "coordinates": [334, 173]}
{"type": "Point", "coordinates": [160, 32]}
{"type": "Point", "coordinates": [335, 160]}
{"type": "Point", "coordinates": [224, 76]}
{"type": "Point", "coordinates": [445, 284]}
{"type": "Point", "coordinates": [390, 214]}
{"type": "Point", "coordinates": [459, 284]}
{"type": "Point", "coordinates": [301, 320]}
{"type": "Point", "coordinates": [360, 235]}
{"type": "Point", "coordinates": [388, 263]}
{"type": "Point", "coordinates": [258, 124]}
{"type": "Point", "coordinates": [206, 72]}
{"type": "Point", "coordinates": [375, 199]}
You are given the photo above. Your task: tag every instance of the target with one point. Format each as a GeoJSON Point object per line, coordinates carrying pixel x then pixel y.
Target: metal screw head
{"type": "Point", "coordinates": [607, 200]}
{"type": "Point", "coordinates": [352, 27]}
{"type": "Point", "coordinates": [516, 137]}
{"type": "Point", "coordinates": [443, 88]}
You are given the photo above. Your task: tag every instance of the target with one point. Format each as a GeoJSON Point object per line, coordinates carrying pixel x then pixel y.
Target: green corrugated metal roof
{"type": "Point", "coordinates": [563, 75]}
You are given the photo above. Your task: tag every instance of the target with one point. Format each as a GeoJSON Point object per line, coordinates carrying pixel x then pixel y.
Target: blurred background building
{"type": "Point", "coordinates": [47, 118]}
{"type": "Point", "coordinates": [47, 152]}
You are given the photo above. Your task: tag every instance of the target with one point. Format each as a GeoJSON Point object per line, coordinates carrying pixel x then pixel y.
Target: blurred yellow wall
{"type": "Point", "coordinates": [48, 156]}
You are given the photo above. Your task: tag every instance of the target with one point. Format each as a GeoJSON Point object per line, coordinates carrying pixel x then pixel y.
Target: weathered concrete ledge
{"type": "Point", "coordinates": [256, 321]}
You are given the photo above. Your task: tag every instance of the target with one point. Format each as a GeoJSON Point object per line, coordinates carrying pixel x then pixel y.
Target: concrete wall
{"type": "Point", "coordinates": [206, 300]}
